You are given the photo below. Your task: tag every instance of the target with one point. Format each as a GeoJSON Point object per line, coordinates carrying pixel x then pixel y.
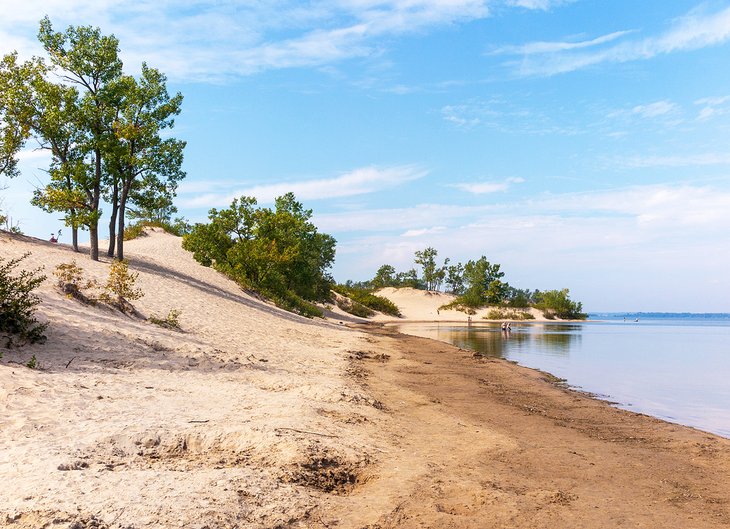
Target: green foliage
{"type": "Point", "coordinates": [32, 363]}
{"type": "Point", "coordinates": [508, 314]}
{"type": "Point", "coordinates": [354, 308]}
{"type": "Point", "coordinates": [557, 303]}
{"type": "Point", "coordinates": [133, 231]}
{"type": "Point", "coordinates": [433, 275]}
{"type": "Point", "coordinates": [366, 298]}
{"type": "Point", "coordinates": [384, 277]}
{"type": "Point", "coordinates": [18, 302]}
{"type": "Point", "coordinates": [277, 252]}
{"type": "Point", "coordinates": [171, 321]}
{"type": "Point", "coordinates": [105, 130]}
{"type": "Point", "coordinates": [120, 287]}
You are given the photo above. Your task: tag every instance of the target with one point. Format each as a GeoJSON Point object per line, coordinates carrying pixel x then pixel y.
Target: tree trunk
{"type": "Point", "coordinates": [75, 238]}
{"type": "Point", "coordinates": [113, 221]}
{"type": "Point", "coordinates": [120, 230]}
{"type": "Point", "coordinates": [94, 225]}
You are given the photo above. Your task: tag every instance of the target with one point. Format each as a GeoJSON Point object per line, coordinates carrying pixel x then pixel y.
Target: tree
{"type": "Point", "coordinates": [483, 283]}
{"type": "Point", "coordinates": [279, 251]}
{"type": "Point", "coordinates": [455, 278]}
{"type": "Point", "coordinates": [89, 61]}
{"type": "Point", "coordinates": [137, 151]}
{"type": "Point", "coordinates": [558, 303]}
{"type": "Point", "coordinates": [384, 277]}
{"type": "Point", "coordinates": [13, 131]}
{"type": "Point", "coordinates": [427, 260]}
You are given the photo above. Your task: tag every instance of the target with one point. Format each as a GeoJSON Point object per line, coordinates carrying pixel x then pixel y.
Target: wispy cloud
{"type": "Point", "coordinates": [713, 107]}
{"type": "Point", "coordinates": [194, 39]}
{"type": "Point", "coordinates": [688, 160]}
{"type": "Point", "coordinates": [695, 30]}
{"type": "Point", "coordinates": [481, 188]}
{"type": "Point", "coordinates": [658, 108]}
{"type": "Point", "coordinates": [543, 5]}
{"type": "Point", "coordinates": [358, 182]}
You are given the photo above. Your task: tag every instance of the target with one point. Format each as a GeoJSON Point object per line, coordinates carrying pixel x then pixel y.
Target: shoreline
{"type": "Point", "coordinates": [526, 451]}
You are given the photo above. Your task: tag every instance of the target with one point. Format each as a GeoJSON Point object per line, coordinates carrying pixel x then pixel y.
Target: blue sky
{"type": "Point", "coordinates": [581, 144]}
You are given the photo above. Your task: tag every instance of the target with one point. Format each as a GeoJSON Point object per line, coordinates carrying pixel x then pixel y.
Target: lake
{"type": "Point", "coordinates": [672, 366]}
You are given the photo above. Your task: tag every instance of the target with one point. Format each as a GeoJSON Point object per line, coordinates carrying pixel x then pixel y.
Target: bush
{"type": "Point", "coordinates": [368, 299]}
{"type": "Point", "coordinates": [71, 281]}
{"type": "Point", "coordinates": [178, 228]}
{"type": "Point", "coordinates": [355, 308]}
{"type": "Point", "coordinates": [119, 288]}
{"type": "Point", "coordinates": [171, 321]}
{"type": "Point", "coordinates": [18, 303]}
{"type": "Point", "coordinates": [508, 314]}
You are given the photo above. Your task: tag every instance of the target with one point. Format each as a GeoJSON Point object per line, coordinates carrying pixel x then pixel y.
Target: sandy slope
{"type": "Point", "coordinates": [423, 305]}
{"type": "Point", "coordinates": [251, 417]}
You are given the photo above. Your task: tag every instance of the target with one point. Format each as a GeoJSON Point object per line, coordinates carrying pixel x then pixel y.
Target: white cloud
{"type": "Point", "coordinates": [652, 110]}
{"type": "Point", "coordinates": [713, 107]}
{"type": "Point", "coordinates": [480, 188]}
{"type": "Point", "coordinates": [543, 5]}
{"type": "Point", "coordinates": [358, 182]}
{"type": "Point", "coordinates": [539, 47]}
{"type": "Point", "coordinates": [212, 39]}
{"type": "Point", "coordinates": [695, 30]}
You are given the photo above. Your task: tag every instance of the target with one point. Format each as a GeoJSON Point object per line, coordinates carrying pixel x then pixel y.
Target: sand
{"type": "Point", "coordinates": [420, 305]}
{"type": "Point", "coordinates": [253, 417]}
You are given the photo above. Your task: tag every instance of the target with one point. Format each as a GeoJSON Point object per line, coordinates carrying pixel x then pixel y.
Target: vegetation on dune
{"type": "Point", "coordinates": [277, 252]}
{"type": "Point", "coordinates": [365, 298]}
{"type": "Point", "coordinates": [18, 303]}
{"type": "Point", "coordinates": [476, 284]}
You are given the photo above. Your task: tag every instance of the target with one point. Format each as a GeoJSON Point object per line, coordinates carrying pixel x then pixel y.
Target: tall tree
{"type": "Point", "coordinates": [483, 282]}
{"type": "Point", "coordinates": [137, 151]}
{"type": "Point", "coordinates": [13, 132]}
{"type": "Point", "coordinates": [88, 60]}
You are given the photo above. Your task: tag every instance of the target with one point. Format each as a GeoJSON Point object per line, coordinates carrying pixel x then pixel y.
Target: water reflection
{"type": "Point", "coordinates": [490, 340]}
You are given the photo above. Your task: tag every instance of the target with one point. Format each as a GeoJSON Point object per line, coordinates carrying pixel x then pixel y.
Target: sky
{"type": "Point", "coordinates": [581, 144]}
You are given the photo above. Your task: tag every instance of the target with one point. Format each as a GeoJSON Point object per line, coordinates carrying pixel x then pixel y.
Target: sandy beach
{"type": "Point", "coordinates": [249, 416]}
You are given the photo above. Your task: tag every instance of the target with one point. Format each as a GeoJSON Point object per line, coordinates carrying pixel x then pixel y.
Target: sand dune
{"type": "Point", "coordinates": [423, 305]}
{"type": "Point", "coordinates": [253, 417]}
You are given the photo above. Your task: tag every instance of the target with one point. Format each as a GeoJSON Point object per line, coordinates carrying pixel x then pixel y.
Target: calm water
{"type": "Point", "coordinates": [676, 367]}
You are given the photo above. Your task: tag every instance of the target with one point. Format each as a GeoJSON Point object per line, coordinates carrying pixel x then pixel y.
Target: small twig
{"type": "Point", "coordinates": [305, 431]}
{"type": "Point", "coordinates": [69, 362]}
{"type": "Point", "coordinates": [118, 515]}
{"type": "Point", "coordinates": [199, 421]}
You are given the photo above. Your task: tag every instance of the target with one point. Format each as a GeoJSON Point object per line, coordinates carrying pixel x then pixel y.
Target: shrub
{"type": "Point", "coordinates": [119, 288]}
{"type": "Point", "coordinates": [355, 308]}
{"type": "Point", "coordinates": [171, 321]}
{"type": "Point", "coordinates": [368, 299]}
{"type": "Point", "coordinates": [71, 281]}
{"type": "Point", "coordinates": [178, 228]}
{"type": "Point", "coordinates": [18, 303]}
{"type": "Point", "coordinates": [508, 314]}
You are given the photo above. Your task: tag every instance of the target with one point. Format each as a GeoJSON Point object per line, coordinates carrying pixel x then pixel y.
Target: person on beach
{"type": "Point", "coordinates": [53, 238]}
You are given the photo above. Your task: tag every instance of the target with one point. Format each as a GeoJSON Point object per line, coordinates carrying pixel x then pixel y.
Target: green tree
{"type": "Point", "coordinates": [89, 61]}
{"type": "Point", "coordinates": [278, 251]}
{"type": "Point", "coordinates": [18, 302]}
{"type": "Point", "coordinates": [558, 303]}
{"type": "Point", "coordinates": [384, 277]}
{"type": "Point", "coordinates": [455, 278]}
{"type": "Point", "coordinates": [137, 152]}
{"type": "Point", "coordinates": [482, 283]}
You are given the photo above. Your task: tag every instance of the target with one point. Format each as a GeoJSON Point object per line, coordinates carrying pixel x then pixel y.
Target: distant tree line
{"type": "Point", "coordinates": [477, 283]}
{"type": "Point", "coordinates": [105, 131]}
